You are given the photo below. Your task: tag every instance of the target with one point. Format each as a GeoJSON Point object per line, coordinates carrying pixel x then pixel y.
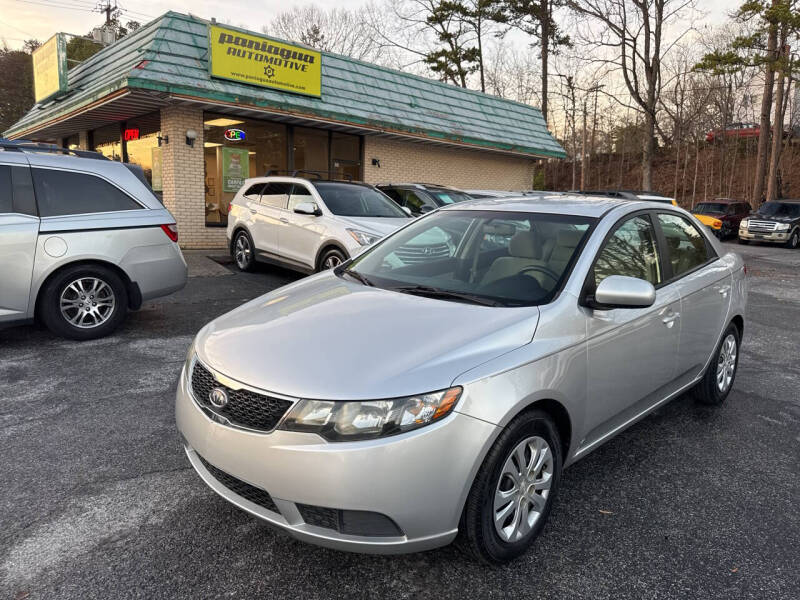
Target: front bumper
{"type": "Point", "coordinates": [419, 480]}
{"type": "Point", "coordinates": [776, 236]}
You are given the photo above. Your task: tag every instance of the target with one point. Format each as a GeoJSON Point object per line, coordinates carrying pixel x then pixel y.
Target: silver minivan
{"type": "Point", "coordinates": [390, 405]}
{"type": "Point", "coordinates": [82, 240]}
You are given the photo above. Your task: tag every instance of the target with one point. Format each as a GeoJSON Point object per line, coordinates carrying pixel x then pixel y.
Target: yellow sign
{"type": "Point", "coordinates": [50, 68]}
{"type": "Point", "coordinates": [259, 60]}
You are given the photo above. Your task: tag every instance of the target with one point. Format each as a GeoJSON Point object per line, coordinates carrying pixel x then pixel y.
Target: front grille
{"type": "Point", "coordinates": [319, 516]}
{"type": "Point", "coordinates": [244, 408]}
{"type": "Point", "coordinates": [765, 226]}
{"type": "Point", "coordinates": [350, 522]}
{"type": "Point", "coordinates": [241, 488]}
{"type": "Point", "coordinates": [413, 254]}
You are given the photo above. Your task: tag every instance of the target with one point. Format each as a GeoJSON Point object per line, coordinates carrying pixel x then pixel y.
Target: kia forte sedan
{"type": "Point", "coordinates": [385, 406]}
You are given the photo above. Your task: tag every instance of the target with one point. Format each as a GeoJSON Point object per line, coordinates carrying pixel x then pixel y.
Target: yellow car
{"type": "Point", "coordinates": [722, 215]}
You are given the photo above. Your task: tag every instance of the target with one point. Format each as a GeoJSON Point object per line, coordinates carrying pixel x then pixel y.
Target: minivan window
{"type": "Point", "coordinates": [6, 203]}
{"type": "Point", "coordinates": [61, 193]}
{"type": "Point", "coordinates": [686, 246]}
{"type": "Point", "coordinates": [24, 200]}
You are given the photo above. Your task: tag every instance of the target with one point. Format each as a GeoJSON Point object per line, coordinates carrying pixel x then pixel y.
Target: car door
{"type": "Point", "coordinates": [704, 284]}
{"type": "Point", "coordinates": [269, 210]}
{"type": "Point", "coordinates": [301, 234]}
{"type": "Point", "coordinates": [631, 351]}
{"type": "Point", "coordinates": [19, 230]}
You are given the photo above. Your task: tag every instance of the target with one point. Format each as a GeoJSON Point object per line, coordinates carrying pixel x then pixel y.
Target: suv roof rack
{"type": "Point", "coordinates": [26, 145]}
{"type": "Point", "coordinates": [317, 174]}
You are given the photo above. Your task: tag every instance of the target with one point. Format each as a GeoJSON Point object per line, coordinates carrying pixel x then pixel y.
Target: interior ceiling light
{"type": "Point", "coordinates": [222, 122]}
{"type": "Point", "coordinates": [210, 144]}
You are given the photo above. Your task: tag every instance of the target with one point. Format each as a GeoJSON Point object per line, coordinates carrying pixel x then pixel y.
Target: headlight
{"type": "Point", "coordinates": [345, 421]}
{"type": "Point", "coordinates": [744, 223]}
{"type": "Point", "coordinates": [362, 237]}
{"type": "Point", "coordinates": [782, 227]}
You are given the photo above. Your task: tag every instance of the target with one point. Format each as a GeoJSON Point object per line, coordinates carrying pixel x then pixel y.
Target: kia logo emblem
{"type": "Point", "coordinates": [218, 397]}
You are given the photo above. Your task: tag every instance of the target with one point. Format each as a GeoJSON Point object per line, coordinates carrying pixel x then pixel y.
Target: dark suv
{"type": "Point", "coordinates": [722, 216]}
{"type": "Point", "coordinates": [421, 198]}
{"type": "Point", "coordinates": [777, 222]}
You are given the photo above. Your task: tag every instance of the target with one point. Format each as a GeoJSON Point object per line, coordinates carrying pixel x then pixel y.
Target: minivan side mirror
{"type": "Point", "coordinates": [307, 208]}
{"type": "Point", "coordinates": [620, 291]}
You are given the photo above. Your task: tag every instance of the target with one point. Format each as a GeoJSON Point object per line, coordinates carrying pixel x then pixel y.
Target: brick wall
{"type": "Point", "coordinates": [403, 161]}
{"type": "Point", "coordinates": [183, 178]}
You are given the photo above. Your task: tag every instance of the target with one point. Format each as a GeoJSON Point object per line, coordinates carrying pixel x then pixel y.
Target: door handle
{"type": "Point", "coordinates": [670, 319]}
{"type": "Point", "coordinates": [284, 220]}
{"type": "Point", "coordinates": [723, 290]}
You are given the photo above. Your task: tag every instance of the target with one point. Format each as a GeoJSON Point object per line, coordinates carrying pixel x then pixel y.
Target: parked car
{"type": "Point", "coordinates": [82, 240]}
{"type": "Point", "coordinates": [307, 225]}
{"type": "Point", "coordinates": [630, 195]}
{"type": "Point", "coordinates": [734, 130]}
{"type": "Point", "coordinates": [421, 198]}
{"type": "Point", "coordinates": [775, 222]}
{"type": "Point", "coordinates": [385, 407]}
{"type": "Point", "coordinates": [722, 216]}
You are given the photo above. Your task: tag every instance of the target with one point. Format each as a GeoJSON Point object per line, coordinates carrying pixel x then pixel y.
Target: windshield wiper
{"type": "Point", "coordinates": [358, 277]}
{"type": "Point", "coordinates": [431, 292]}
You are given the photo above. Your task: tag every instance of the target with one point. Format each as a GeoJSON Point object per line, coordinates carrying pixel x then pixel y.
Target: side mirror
{"type": "Point", "coordinates": [619, 291]}
{"type": "Point", "coordinates": [407, 211]}
{"type": "Point", "coordinates": [307, 208]}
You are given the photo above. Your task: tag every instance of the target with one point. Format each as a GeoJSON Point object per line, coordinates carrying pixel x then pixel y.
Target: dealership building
{"type": "Point", "coordinates": [202, 106]}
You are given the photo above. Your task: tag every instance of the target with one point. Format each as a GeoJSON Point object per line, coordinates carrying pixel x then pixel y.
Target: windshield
{"type": "Point", "coordinates": [349, 200]}
{"type": "Point", "coordinates": [780, 209]}
{"type": "Point", "coordinates": [444, 197]}
{"type": "Point", "coordinates": [498, 257]}
{"type": "Point", "coordinates": [707, 208]}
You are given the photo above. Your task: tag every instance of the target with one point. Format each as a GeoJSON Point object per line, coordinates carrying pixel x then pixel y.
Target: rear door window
{"type": "Point", "coordinates": [24, 200]}
{"type": "Point", "coordinates": [60, 193]}
{"type": "Point", "coordinates": [276, 194]}
{"type": "Point", "coordinates": [253, 192]}
{"type": "Point", "coordinates": [6, 199]}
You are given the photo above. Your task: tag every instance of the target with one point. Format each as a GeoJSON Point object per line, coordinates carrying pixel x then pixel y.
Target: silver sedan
{"type": "Point", "coordinates": [394, 405]}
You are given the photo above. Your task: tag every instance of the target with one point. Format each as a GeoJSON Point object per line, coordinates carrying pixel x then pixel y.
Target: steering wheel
{"type": "Point", "coordinates": [549, 272]}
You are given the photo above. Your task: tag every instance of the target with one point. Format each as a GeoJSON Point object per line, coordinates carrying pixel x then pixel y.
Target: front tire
{"type": "Point", "coordinates": [331, 259]}
{"type": "Point", "coordinates": [513, 491]}
{"type": "Point", "coordinates": [84, 302]}
{"type": "Point", "coordinates": [794, 240]}
{"type": "Point", "coordinates": [718, 380]}
{"type": "Point", "coordinates": [243, 251]}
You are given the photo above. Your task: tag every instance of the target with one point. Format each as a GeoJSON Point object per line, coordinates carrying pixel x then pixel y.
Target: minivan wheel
{"type": "Point", "coordinates": [331, 259]}
{"type": "Point", "coordinates": [718, 380]}
{"type": "Point", "coordinates": [84, 302]}
{"type": "Point", "coordinates": [794, 241]}
{"type": "Point", "coordinates": [242, 251]}
{"type": "Point", "coordinates": [514, 490]}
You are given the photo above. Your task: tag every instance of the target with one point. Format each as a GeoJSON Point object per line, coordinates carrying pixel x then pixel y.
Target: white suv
{"type": "Point", "coordinates": [307, 226]}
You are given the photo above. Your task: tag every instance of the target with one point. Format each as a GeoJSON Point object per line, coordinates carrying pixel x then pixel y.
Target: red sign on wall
{"type": "Point", "coordinates": [130, 134]}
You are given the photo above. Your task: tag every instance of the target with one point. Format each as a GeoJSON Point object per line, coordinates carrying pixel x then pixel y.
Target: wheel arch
{"type": "Point", "coordinates": [239, 227]}
{"type": "Point", "coordinates": [738, 320]}
{"type": "Point", "coordinates": [329, 245]}
{"type": "Point", "coordinates": [561, 419]}
{"type": "Point", "coordinates": [134, 294]}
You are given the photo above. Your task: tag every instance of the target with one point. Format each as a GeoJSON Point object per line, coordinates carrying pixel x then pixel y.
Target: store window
{"type": "Point", "coordinates": [141, 142]}
{"type": "Point", "coordinates": [346, 156]}
{"type": "Point", "coordinates": [235, 149]}
{"type": "Point", "coordinates": [108, 141]}
{"type": "Point", "coordinates": [311, 151]}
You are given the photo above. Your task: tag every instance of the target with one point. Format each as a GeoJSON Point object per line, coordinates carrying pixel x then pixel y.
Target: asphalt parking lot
{"type": "Point", "coordinates": [98, 499]}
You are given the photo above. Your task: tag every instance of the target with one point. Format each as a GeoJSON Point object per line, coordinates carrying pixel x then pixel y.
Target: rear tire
{"type": "Point", "coordinates": [512, 494]}
{"type": "Point", "coordinates": [243, 251]}
{"type": "Point", "coordinates": [84, 302]}
{"type": "Point", "coordinates": [718, 380]}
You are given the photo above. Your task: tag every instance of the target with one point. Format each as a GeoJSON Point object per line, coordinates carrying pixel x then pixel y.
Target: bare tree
{"type": "Point", "coordinates": [632, 32]}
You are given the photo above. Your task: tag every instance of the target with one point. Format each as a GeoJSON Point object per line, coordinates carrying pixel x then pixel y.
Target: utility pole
{"type": "Point", "coordinates": [110, 11]}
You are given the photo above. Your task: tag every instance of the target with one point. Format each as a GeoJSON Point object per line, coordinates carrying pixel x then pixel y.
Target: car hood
{"type": "Point", "coordinates": [781, 219]}
{"type": "Point", "coordinates": [328, 338]}
{"type": "Point", "coordinates": [377, 225]}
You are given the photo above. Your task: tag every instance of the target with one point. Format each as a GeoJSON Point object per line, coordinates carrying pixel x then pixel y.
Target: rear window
{"type": "Point", "coordinates": [60, 193]}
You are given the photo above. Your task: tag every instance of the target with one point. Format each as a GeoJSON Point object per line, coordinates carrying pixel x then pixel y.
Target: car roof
{"type": "Point", "coordinates": [722, 201]}
{"type": "Point", "coordinates": [569, 204]}
{"type": "Point", "coordinates": [786, 200]}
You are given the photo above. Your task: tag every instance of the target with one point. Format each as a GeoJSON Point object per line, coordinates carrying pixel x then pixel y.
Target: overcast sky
{"type": "Point", "coordinates": [24, 19]}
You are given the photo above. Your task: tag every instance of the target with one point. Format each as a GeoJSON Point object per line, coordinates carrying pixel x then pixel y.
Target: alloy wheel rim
{"type": "Point", "coordinates": [726, 363]}
{"type": "Point", "coordinates": [87, 302]}
{"type": "Point", "coordinates": [331, 262]}
{"type": "Point", "coordinates": [242, 251]}
{"type": "Point", "coordinates": [523, 488]}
